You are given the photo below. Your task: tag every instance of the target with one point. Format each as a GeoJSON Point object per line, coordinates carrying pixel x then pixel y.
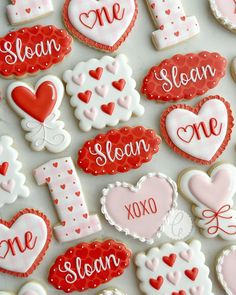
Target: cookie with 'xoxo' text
{"type": "Point", "coordinates": [31, 287]}
{"type": "Point", "coordinates": [199, 133]}
{"type": "Point", "coordinates": [103, 92]}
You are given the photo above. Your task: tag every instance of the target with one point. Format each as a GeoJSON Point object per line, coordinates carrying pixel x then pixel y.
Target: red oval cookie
{"type": "Point", "coordinates": [87, 266]}
{"type": "Point", "coordinates": [119, 150]}
{"type": "Point", "coordinates": [30, 50]}
{"type": "Point", "coordinates": [184, 76]}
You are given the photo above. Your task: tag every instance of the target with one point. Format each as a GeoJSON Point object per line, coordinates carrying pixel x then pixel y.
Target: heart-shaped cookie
{"type": "Point", "coordinates": [141, 211]}
{"type": "Point", "coordinates": [199, 133]}
{"type": "Point", "coordinates": [103, 24]}
{"type": "Point", "coordinates": [30, 288]}
{"type": "Point", "coordinates": [226, 268]}
{"type": "Point", "coordinates": [23, 242]}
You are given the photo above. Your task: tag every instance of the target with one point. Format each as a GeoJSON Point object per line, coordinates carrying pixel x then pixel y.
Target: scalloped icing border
{"type": "Point", "coordinates": [135, 189]}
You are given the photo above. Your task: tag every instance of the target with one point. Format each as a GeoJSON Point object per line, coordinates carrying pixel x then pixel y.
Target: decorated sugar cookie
{"type": "Point", "coordinates": [25, 11]}
{"type": "Point", "coordinates": [233, 69]}
{"type": "Point", "coordinates": [12, 181]}
{"type": "Point", "coordinates": [173, 26]}
{"type": "Point", "coordinates": [103, 92]}
{"type": "Point", "coordinates": [199, 133]}
{"type": "Point", "coordinates": [24, 241]}
{"type": "Point", "coordinates": [177, 269]}
{"type": "Point", "coordinates": [111, 292]}
{"type": "Point", "coordinates": [212, 195]}
{"type": "Point", "coordinates": [88, 265]}
{"type": "Point", "coordinates": [31, 287]}
{"type": "Point", "coordinates": [141, 211]}
{"type": "Point", "coordinates": [184, 76]}
{"type": "Point", "coordinates": [118, 150]}
{"type": "Point", "coordinates": [30, 50]}
{"type": "Point", "coordinates": [103, 24]}
{"type": "Point", "coordinates": [64, 184]}
{"type": "Point", "coordinates": [225, 12]}
{"type": "Point", "coordinates": [225, 269]}
{"type": "Point", "coordinates": [39, 110]}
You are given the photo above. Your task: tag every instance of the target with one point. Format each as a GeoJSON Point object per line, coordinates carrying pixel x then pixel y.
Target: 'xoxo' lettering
{"type": "Point", "coordinates": [141, 208]}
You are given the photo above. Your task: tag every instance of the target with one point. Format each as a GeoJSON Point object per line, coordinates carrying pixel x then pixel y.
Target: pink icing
{"type": "Point", "coordinates": [149, 221]}
{"type": "Point", "coordinates": [228, 271]}
{"type": "Point", "coordinates": [213, 193]}
{"type": "Point", "coordinates": [228, 9]}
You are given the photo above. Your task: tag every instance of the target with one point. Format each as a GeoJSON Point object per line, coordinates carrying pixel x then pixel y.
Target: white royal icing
{"type": "Point", "coordinates": [12, 181]}
{"type": "Point", "coordinates": [187, 257]}
{"type": "Point", "coordinates": [212, 196]}
{"type": "Point", "coordinates": [49, 134]}
{"type": "Point", "coordinates": [25, 11]}
{"type": "Point", "coordinates": [111, 292]}
{"type": "Point", "coordinates": [126, 102]}
{"type": "Point", "coordinates": [30, 288]}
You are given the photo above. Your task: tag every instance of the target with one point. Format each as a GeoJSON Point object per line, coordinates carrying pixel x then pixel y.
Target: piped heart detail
{"type": "Point", "coordinates": [3, 168]}
{"type": "Point", "coordinates": [157, 283]}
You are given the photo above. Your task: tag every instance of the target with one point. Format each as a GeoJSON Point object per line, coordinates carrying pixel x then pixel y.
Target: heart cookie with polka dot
{"type": "Point", "coordinates": [103, 92]}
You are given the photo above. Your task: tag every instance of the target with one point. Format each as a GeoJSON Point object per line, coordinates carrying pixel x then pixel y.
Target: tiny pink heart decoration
{"type": "Point", "coordinates": [141, 211]}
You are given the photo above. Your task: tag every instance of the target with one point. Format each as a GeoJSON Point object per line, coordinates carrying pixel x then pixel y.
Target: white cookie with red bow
{"type": "Point", "coordinates": [12, 181]}
{"type": "Point", "coordinates": [212, 195]}
{"type": "Point", "coordinates": [31, 287]}
{"type": "Point", "coordinates": [39, 109]}
{"type": "Point", "coordinates": [103, 92]}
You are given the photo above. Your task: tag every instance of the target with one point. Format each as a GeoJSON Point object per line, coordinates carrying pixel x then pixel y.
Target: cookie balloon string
{"type": "Point", "coordinates": [216, 216]}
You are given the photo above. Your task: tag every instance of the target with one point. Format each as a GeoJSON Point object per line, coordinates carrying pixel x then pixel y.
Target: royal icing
{"type": "Point", "coordinates": [177, 269]}
{"type": "Point", "coordinates": [225, 12]}
{"type": "Point", "coordinates": [118, 151]}
{"type": "Point", "coordinates": [39, 109]}
{"type": "Point", "coordinates": [25, 11]}
{"type": "Point", "coordinates": [184, 76]}
{"type": "Point", "coordinates": [88, 266]}
{"type": "Point", "coordinates": [141, 211]}
{"type": "Point", "coordinates": [44, 47]}
{"type": "Point", "coordinates": [173, 26]}
{"type": "Point", "coordinates": [111, 292]}
{"type": "Point", "coordinates": [225, 269]}
{"type": "Point", "coordinates": [199, 133]}
{"type": "Point", "coordinates": [103, 92]}
{"type": "Point", "coordinates": [212, 195]}
{"type": "Point", "coordinates": [24, 241]}
{"type": "Point", "coordinates": [101, 24]}
{"type": "Point", "coordinates": [64, 185]}
{"type": "Point", "coordinates": [12, 181]}
{"type": "Point", "coordinates": [30, 288]}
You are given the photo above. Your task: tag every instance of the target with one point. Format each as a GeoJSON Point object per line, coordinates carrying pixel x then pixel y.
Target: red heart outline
{"type": "Point", "coordinates": [43, 251]}
{"type": "Point", "coordinates": [87, 15]}
{"type": "Point", "coordinates": [196, 110]}
{"type": "Point", "coordinates": [184, 129]}
{"type": "Point", "coordinates": [91, 42]}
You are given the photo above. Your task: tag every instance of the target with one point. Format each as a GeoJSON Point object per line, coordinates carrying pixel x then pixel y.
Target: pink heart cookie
{"type": "Point", "coordinates": [226, 268]}
{"type": "Point", "coordinates": [140, 211]}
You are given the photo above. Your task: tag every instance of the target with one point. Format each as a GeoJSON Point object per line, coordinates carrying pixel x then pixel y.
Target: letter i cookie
{"type": "Point", "coordinates": [103, 92]}
{"type": "Point", "coordinates": [173, 26]}
{"type": "Point", "coordinates": [177, 269]}
{"type": "Point", "coordinates": [12, 181]}
{"type": "Point", "coordinates": [20, 12]}
{"type": "Point", "coordinates": [39, 112]}
{"type": "Point", "coordinates": [64, 185]}
{"type": "Point", "coordinates": [31, 287]}
{"type": "Point", "coordinates": [213, 195]}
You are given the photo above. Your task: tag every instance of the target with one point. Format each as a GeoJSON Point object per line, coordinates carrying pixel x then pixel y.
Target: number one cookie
{"type": "Point", "coordinates": [173, 26]}
{"type": "Point", "coordinates": [64, 184]}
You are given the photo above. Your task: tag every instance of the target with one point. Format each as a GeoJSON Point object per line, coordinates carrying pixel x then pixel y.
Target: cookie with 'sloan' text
{"type": "Point", "coordinates": [118, 150]}
{"type": "Point", "coordinates": [88, 265]}
{"type": "Point", "coordinates": [177, 269]}
{"type": "Point", "coordinates": [199, 133]}
{"type": "Point", "coordinates": [141, 211]}
{"type": "Point", "coordinates": [24, 241]}
{"type": "Point", "coordinates": [103, 24]}
{"type": "Point", "coordinates": [184, 76]}
{"type": "Point", "coordinates": [32, 287]}
{"type": "Point", "coordinates": [103, 92]}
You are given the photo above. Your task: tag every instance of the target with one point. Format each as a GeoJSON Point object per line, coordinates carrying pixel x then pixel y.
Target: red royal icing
{"type": "Point", "coordinates": [169, 260]}
{"type": "Point", "coordinates": [192, 273]}
{"type": "Point", "coordinates": [157, 283]}
{"type": "Point", "coordinates": [3, 168]}
{"type": "Point", "coordinates": [97, 73]}
{"type": "Point", "coordinates": [29, 50]}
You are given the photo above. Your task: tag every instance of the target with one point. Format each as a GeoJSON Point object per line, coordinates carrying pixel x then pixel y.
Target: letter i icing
{"type": "Point", "coordinates": [173, 26]}
{"type": "Point", "coordinates": [64, 184]}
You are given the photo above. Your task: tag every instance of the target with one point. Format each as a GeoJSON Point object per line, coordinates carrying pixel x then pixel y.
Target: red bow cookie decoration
{"type": "Point", "coordinates": [103, 24]}
{"type": "Point", "coordinates": [119, 150]}
{"type": "Point", "coordinates": [23, 242]}
{"type": "Point", "coordinates": [87, 266]}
